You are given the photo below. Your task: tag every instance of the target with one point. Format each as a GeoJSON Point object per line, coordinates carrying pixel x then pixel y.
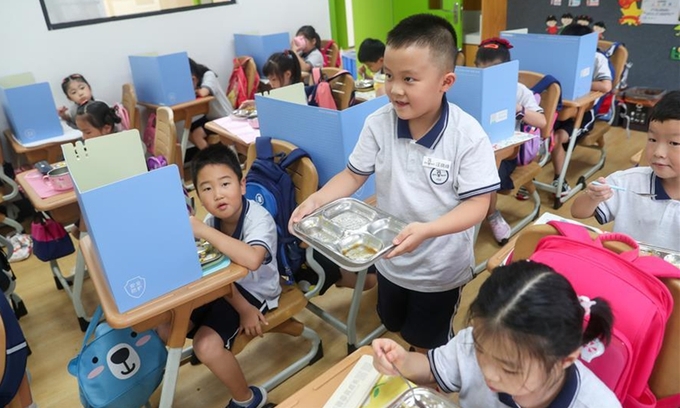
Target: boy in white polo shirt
{"type": "Point", "coordinates": [655, 220]}
{"type": "Point", "coordinates": [434, 168]}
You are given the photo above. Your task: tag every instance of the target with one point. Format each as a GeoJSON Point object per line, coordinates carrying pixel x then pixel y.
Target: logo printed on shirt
{"type": "Point", "coordinates": [439, 176]}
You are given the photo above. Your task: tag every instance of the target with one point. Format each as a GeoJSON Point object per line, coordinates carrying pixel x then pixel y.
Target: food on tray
{"type": "Point", "coordinates": [359, 252]}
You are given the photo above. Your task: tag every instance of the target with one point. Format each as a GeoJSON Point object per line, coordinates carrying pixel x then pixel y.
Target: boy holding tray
{"type": "Point", "coordinates": [434, 168]}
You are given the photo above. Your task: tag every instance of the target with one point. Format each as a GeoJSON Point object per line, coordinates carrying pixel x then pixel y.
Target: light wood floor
{"type": "Point", "coordinates": [54, 336]}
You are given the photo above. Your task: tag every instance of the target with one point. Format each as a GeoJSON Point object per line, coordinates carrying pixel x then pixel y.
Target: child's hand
{"type": "Point", "coordinates": [362, 70]}
{"type": "Point", "coordinates": [307, 207]}
{"type": "Point", "coordinates": [197, 226]}
{"type": "Point", "coordinates": [251, 321]}
{"type": "Point", "coordinates": [601, 192]}
{"type": "Point", "coordinates": [409, 239]}
{"type": "Point", "coordinates": [518, 108]}
{"type": "Point", "coordinates": [202, 92]}
{"type": "Point", "coordinates": [249, 104]}
{"type": "Point", "coordinates": [63, 113]}
{"type": "Point", "coordinates": [387, 355]}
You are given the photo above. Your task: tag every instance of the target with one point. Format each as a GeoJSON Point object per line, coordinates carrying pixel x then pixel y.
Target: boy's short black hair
{"type": "Point", "coordinates": [576, 29]}
{"type": "Point", "coordinates": [668, 108]}
{"type": "Point", "coordinates": [371, 50]}
{"type": "Point", "coordinates": [427, 30]}
{"type": "Point", "coordinates": [215, 154]}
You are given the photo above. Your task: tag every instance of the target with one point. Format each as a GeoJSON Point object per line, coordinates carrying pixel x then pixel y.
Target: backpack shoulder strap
{"type": "Point", "coordinates": [316, 75]}
{"type": "Point", "coordinates": [263, 147]}
{"type": "Point", "coordinates": [340, 73]}
{"type": "Point", "coordinates": [94, 321]}
{"type": "Point", "coordinates": [544, 83]}
{"type": "Point", "coordinates": [292, 157]}
{"type": "Point", "coordinates": [570, 230]}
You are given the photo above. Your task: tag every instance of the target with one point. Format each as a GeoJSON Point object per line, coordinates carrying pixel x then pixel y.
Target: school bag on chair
{"type": "Point", "coordinates": [641, 303]}
{"type": "Point", "coordinates": [269, 184]}
{"type": "Point", "coordinates": [119, 368]}
{"type": "Point", "coordinates": [16, 351]}
{"type": "Point", "coordinates": [532, 148]}
{"type": "Point", "coordinates": [237, 91]}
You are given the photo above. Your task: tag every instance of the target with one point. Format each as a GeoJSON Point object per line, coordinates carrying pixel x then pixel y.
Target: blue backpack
{"type": "Point", "coordinates": [119, 368]}
{"type": "Point", "coordinates": [17, 353]}
{"type": "Point", "coordinates": [269, 184]}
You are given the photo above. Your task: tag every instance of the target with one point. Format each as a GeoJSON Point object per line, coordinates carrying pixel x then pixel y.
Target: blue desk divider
{"type": "Point", "coordinates": [140, 229]}
{"type": "Point", "coordinates": [328, 136]}
{"type": "Point", "coordinates": [260, 47]}
{"type": "Point", "coordinates": [31, 111]}
{"type": "Point", "coordinates": [349, 62]}
{"type": "Point", "coordinates": [489, 95]}
{"type": "Point", "coordinates": [570, 59]}
{"type": "Point", "coordinates": [163, 79]}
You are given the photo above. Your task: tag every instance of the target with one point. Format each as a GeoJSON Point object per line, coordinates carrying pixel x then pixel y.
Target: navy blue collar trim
{"type": "Point", "coordinates": [656, 187]}
{"type": "Point", "coordinates": [564, 399]}
{"type": "Point", "coordinates": [432, 137]}
{"type": "Point", "coordinates": [239, 226]}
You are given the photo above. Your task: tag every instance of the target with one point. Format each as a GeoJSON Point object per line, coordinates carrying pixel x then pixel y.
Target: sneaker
{"type": "Point", "coordinates": [259, 399]}
{"type": "Point", "coordinates": [565, 188]}
{"type": "Point", "coordinates": [500, 228]}
{"type": "Point", "coordinates": [522, 194]}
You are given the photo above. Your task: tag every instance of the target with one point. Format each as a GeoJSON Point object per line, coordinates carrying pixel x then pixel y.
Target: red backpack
{"type": "Point", "coordinates": [640, 302]}
{"type": "Point", "coordinates": [325, 51]}
{"type": "Point", "coordinates": [237, 91]}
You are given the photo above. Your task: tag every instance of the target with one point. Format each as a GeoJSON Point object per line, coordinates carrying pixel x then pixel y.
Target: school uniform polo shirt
{"type": "Point", "coordinates": [423, 180]}
{"type": "Point", "coordinates": [654, 221]}
{"type": "Point", "coordinates": [256, 227]}
{"type": "Point", "coordinates": [455, 368]}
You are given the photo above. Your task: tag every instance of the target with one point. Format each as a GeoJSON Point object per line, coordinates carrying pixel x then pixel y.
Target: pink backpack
{"type": "Point", "coordinates": [641, 304]}
{"type": "Point", "coordinates": [149, 136]}
{"type": "Point", "coordinates": [124, 116]}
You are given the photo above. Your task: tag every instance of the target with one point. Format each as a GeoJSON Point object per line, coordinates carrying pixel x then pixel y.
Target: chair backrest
{"type": "Point", "coordinates": [460, 59]}
{"type": "Point", "coordinates": [304, 175]}
{"type": "Point", "coordinates": [250, 70]}
{"type": "Point", "coordinates": [165, 140]}
{"type": "Point", "coordinates": [341, 86]}
{"type": "Point", "coordinates": [333, 52]}
{"type": "Point", "coordinates": [618, 60]}
{"type": "Point", "coordinates": [129, 101]}
{"type": "Point", "coordinates": [549, 98]}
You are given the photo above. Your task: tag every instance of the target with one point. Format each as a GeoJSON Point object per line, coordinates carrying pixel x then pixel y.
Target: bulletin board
{"type": "Point", "coordinates": [649, 45]}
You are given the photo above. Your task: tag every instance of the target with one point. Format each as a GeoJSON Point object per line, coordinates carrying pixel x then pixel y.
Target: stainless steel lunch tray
{"type": "Point", "coordinates": [670, 256]}
{"type": "Point", "coordinates": [244, 113]}
{"type": "Point", "coordinates": [428, 398]}
{"type": "Point", "coordinates": [350, 232]}
{"type": "Point", "coordinates": [363, 84]}
{"type": "Point", "coordinates": [207, 254]}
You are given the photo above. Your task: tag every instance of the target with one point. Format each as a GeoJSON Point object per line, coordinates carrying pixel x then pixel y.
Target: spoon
{"type": "Point", "coordinates": [419, 403]}
{"type": "Point", "coordinates": [617, 188]}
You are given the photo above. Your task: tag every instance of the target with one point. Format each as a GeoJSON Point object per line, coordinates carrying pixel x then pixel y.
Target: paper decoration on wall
{"type": "Point", "coordinates": [675, 53]}
{"type": "Point", "coordinates": [584, 20]}
{"type": "Point", "coordinates": [677, 30]}
{"type": "Point", "coordinates": [566, 19]}
{"type": "Point", "coordinates": [574, 3]}
{"type": "Point", "coordinates": [551, 25]}
{"type": "Point", "coordinates": [593, 3]}
{"type": "Point", "coordinates": [660, 12]}
{"type": "Point", "coordinates": [600, 27]}
{"type": "Point", "coordinates": [555, 2]}
{"type": "Point", "coordinates": [631, 13]}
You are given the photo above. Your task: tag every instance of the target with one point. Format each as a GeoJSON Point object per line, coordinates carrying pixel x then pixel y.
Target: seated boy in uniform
{"type": "Point", "coordinates": [371, 55]}
{"type": "Point", "coordinates": [244, 231]}
{"type": "Point", "coordinates": [651, 220]}
{"type": "Point", "coordinates": [434, 168]}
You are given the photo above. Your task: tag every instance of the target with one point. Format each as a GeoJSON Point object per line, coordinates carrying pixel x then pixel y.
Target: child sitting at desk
{"type": "Point", "coordinates": [77, 90]}
{"type": "Point", "coordinates": [526, 332]}
{"type": "Point", "coordinates": [281, 69]}
{"type": "Point", "coordinates": [246, 233]}
{"type": "Point", "coordinates": [602, 82]}
{"type": "Point", "coordinates": [206, 84]}
{"type": "Point", "coordinates": [96, 118]}
{"type": "Point", "coordinates": [371, 55]}
{"type": "Point", "coordinates": [494, 51]}
{"type": "Point", "coordinates": [651, 220]}
{"type": "Point", "coordinates": [434, 168]}
{"type": "Point", "coordinates": [309, 52]}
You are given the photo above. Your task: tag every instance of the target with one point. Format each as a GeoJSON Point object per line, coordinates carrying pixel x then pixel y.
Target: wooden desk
{"type": "Point", "coordinates": [319, 391]}
{"type": "Point", "coordinates": [228, 138]}
{"type": "Point", "coordinates": [570, 109]}
{"type": "Point", "coordinates": [49, 151]}
{"type": "Point", "coordinates": [185, 112]}
{"type": "Point", "coordinates": [174, 308]}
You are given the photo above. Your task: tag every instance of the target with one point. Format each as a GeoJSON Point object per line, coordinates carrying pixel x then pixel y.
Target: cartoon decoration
{"type": "Point", "coordinates": [566, 19]}
{"type": "Point", "coordinates": [551, 25]}
{"type": "Point", "coordinates": [574, 3]}
{"type": "Point", "coordinates": [631, 13]}
{"type": "Point", "coordinates": [600, 27]}
{"type": "Point", "coordinates": [675, 53]}
{"type": "Point", "coordinates": [584, 20]}
{"type": "Point", "coordinates": [677, 30]}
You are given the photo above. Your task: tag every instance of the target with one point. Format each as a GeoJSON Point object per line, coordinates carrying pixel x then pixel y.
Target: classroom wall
{"type": "Point", "coordinates": [649, 45]}
{"type": "Point", "coordinates": [100, 51]}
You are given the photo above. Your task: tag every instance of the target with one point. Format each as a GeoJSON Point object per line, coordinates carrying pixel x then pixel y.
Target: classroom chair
{"type": "Point", "coordinates": [252, 77]}
{"type": "Point", "coordinates": [165, 140]}
{"type": "Point", "coordinates": [129, 101]}
{"type": "Point", "coordinates": [333, 52]}
{"type": "Point", "coordinates": [460, 59]}
{"type": "Point", "coordinates": [6, 198]}
{"type": "Point", "coordinates": [342, 87]}
{"type": "Point", "coordinates": [524, 175]}
{"type": "Point", "coordinates": [292, 300]}
{"type": "Point", "coordinates": [639, 159]}
{"type": "Point", "coordinates": [595, 138]}
{"type": "Point", "coordinates": [665, 378]}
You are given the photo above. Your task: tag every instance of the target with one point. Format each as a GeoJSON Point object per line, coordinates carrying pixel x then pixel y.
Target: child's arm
{"type": "Point", "coordinates": [467, 214]}
{"type": "Point", "coordinates": [389, 354]}
{"type": "Point", "coordinates": [341, 185]}
{"type": "Point", "coordinates": [533, 118]}
{"type": "Point", "coordinates": [250, 257]}
{"type": "Point", "coordinates": [250, 318]}
{"type": "Point", "coordinates": [586, 203]}
{"type": "Point", "coordinates": [63, 113]}
{"type": "Point", "coordinates": [603, 86]}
